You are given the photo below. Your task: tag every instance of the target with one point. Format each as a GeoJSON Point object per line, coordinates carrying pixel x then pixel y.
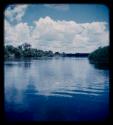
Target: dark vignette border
{"type": "Point", "coordinates": [5, 3]}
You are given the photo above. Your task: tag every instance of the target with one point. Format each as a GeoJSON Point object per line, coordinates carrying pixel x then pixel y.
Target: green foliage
{"type": "Point", "coordinates": [9, 50]}
{"type": "Point", "coordinates": [100, 56]}
{"type": "Point", "coordinates": [25, 50]}
{"type": "Point", "coordinates": [49, 53]}
{"type": "Point", "coordinates": [18, 52]}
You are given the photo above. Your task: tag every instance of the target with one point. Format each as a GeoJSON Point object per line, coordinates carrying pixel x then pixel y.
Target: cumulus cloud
{"type": "Point", "coordinates": [58, 35]}
{"type": "Point", "coordinates": [15, 12]}
{"type": "Point", "coordinates": [63, 7]}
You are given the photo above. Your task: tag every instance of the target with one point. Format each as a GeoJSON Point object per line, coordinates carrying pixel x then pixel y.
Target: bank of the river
{"type": "Point", "coordinates": [100, 57]}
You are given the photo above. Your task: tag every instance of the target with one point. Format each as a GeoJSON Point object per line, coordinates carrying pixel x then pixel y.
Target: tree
{"type": "Point", "coordinates": [9, 50]}
{"type": "Point", "coordinates": [100, 56]}
{"type": "Point", "coordinates": [25, 50]}
{"type": "Point", "coordinates": [57, 53]}
{"type": "Point", "coordinates": [18, 52]}
{"type": "Point", "coordinates": [25, 46]}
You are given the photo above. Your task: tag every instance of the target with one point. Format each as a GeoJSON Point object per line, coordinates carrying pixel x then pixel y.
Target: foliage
{"type": "Point", "coordinates": [25, 50]}
{"type": "Point", "coordinates": [100, 56]}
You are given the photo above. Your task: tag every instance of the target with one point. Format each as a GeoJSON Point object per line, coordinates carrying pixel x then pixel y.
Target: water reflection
{"type": "Point", "coordinates": [30, 88]}
{"type": "Point", "coordinates": [44, 87]}
{"type": "Point", "coordinates": [56, 76]}
{"type": "Point", "coordinates": [27, 64]}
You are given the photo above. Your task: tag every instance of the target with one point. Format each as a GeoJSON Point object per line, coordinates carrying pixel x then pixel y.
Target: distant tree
{"type": "Point", "coordinates": [25, 50]}
{"type": "Point", "coordinates": [49, 53]}
{"type": "Point", "coordinates": [40, 53]}
{"type": "Point", "coordinates": [9, 50]}
{"type": "Point", "coordinates": [100, 56]}
{"type": "Point", "coordinates": [57, 53]}
{"type": "Point", "coordinates": [34, 52]}
{"type": "Point", "coordinates": [25, 46]}
{"type": "Point", "coordinates": [63, 54]}
{"type": "Point", "coordinates": [18, 52]}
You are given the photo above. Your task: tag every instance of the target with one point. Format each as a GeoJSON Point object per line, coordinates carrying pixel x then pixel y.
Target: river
{"type": "Point", "coordinates": [63, 89]}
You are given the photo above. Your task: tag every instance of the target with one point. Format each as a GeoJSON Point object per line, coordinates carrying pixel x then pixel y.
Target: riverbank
{"type": "Point", "coordinates": [100, 58]}
{"type": "Point", "coordinates": [26, 51]}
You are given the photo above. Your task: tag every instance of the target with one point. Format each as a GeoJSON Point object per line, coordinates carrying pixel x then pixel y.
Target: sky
{"type": "Point", "coordinates": [58, 27]}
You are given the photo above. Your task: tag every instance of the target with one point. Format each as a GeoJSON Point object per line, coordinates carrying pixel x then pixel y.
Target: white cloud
{"type": "Point", "coordinates": [63, 7]}
{"type": "Point", "coordinates": [17, 34]}
{"type": "Point", "coordinates": [15, 12]}
{"type": "Point", "coordinates": [58, 35]}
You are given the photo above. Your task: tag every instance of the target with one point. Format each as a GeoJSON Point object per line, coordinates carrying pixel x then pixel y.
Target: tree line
{"type": "Point", "coordinates": [100, 57]}
{"type": "Point", "coordinates": [25, 50]}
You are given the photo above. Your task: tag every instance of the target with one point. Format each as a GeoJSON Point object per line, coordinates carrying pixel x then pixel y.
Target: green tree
{"type": "Point", "coordinates": [100, 56]}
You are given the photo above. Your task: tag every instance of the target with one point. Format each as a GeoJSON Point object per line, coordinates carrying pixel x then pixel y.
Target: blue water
{"type": "Point", "coordinates": [64, 89]}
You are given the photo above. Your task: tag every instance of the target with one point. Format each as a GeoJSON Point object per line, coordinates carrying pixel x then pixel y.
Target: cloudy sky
{"type": "Point", "coordinates": [57, 27]}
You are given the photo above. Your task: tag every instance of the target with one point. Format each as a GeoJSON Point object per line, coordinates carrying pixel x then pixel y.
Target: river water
{"type": "Point", "coordinates": [63, 89]}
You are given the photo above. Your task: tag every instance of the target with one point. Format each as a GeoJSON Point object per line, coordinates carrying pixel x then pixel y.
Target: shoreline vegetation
{"type": "Point", "coordinates": [99, 57]}
{"type": "Point", "coordinates": [25, 51]}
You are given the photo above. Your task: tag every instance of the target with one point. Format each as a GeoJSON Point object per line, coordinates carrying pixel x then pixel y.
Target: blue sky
{"type": "Point", "coordinates": [58, 27]}
{"type": "Point", "coordinates": [78, 12]}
